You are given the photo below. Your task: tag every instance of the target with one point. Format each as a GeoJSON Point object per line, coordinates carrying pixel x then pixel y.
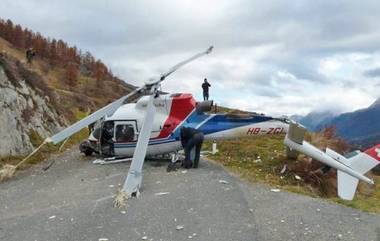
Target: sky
{"type": "Point", "coordinates": [275, 57]}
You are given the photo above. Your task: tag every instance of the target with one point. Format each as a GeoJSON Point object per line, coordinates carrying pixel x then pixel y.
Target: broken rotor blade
{"type": "Point", "coordinates": [179, 65]}
{"type": "Point", "coordinates": [107, 110]}
{"type": "Point", "coordinates": [134, 178]}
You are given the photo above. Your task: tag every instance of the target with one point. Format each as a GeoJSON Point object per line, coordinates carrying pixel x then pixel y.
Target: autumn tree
{"type": "Point", "coordinates": [71, 74]}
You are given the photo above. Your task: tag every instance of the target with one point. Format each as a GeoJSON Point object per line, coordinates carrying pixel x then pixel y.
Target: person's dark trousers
{"type": "Point", "coordinates": [205, 95]}
{"type": "Point", "coordinates": [196, 141]}
{"type": "Point", "coordinates": [198, 138]}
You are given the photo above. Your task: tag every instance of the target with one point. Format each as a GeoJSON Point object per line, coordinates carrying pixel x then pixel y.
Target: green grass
{"type": "Point", "coordinates": [242, 157]}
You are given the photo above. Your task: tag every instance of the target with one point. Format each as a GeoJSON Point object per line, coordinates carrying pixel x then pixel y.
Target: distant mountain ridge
{"type": "Point", "coordinates": [360, 127]}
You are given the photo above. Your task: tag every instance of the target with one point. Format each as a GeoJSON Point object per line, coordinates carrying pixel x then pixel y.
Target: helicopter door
{"type": "Point", "coordinates": [125, 131]}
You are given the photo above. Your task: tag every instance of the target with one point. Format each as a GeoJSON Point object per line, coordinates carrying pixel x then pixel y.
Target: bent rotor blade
{"type": "Point", "coordinates": [107, 110]}
{"type": "Point", "coordinates": [179, 65]}
{"type": "Point", "coordinates": [134, 178]}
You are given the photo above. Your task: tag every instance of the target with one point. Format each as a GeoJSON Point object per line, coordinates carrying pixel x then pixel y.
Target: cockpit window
{"type": "Point", "coordinates": [124, 132]}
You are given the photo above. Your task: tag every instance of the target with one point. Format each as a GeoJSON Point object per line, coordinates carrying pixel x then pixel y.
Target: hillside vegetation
{"type": "Point", "coordinates": [71, 79]}
{"type": "Point", "coordinates": [71, 83]}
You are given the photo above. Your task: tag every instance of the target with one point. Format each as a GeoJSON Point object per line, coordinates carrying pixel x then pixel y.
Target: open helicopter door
{"type": "Point", "coordinates": [125, 136]}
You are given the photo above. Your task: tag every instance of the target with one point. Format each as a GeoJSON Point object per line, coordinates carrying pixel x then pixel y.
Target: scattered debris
{"type": "Point", "coordinates": [184, 171]}
{"type": "Point", "coordinates": [297, 177]}
{"type": "Point", "coordinates": [103, 239]}
{"type": "Point", "coordinates": [144, 238]}
{"type": "Point", "coordinates": [318, 210]}
{"type": "Point", "coordinates": [251, 210]}
{"type": "Point", "coordinates": [123, 212]}
{"type": "Point", "coordinates": [340, 236]}
{"type": "Point", "coordinates": [48, 166]}
{"type": "Point", "coordinates": [257, 160]}
{"type": "Point", "coordinates": [121, 199]}
{"type": "Point", "coordinates": [282, 221]}
{"type": "Point", "coordinates": [194, 234]}
{"type": "Point", "coordinates": [275, 190]}
{"type": "Point", "coordinates": [223, 181]}
{"type": "Point", "coordinates": [179, 227]}
{"type": "Point", "coordinates": [52, 217]}
{"type": "Point", "coordinates": [7, 172]}
{"type": "Point", "coordinates": [283, 169]}
{"type": "Point", "coordinates": [161, 193]}
{"type": "Point", "coordinates": [111, 185]}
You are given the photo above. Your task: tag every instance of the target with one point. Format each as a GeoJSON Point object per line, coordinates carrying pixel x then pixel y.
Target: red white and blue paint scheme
{"type": "Point", "coordinates": [180, 110]}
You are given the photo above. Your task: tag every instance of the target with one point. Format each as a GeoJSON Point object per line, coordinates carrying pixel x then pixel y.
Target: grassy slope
{"type": "Point", "coordinates": [74, 102]}
{"type": "Point", "coordinates": [243, 156]}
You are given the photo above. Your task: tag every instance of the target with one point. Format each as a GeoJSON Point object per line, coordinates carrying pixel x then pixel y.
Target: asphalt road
{"type": "Point", "coordinates": [73, 200]}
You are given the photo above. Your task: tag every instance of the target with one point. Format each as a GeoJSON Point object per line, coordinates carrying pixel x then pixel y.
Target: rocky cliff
{"type": "Point", "coordinates": [25, 113]}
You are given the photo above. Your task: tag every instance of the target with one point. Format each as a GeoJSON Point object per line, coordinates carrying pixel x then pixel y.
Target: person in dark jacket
{"type": "Point", "coordinates": [29, 55]}
{"type": "Point", "coordinates": [191, 140]}
{"type": "Point", "coordinates": [205, 87]}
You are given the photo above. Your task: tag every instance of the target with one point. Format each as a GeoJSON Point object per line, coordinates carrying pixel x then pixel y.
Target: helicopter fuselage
{"type": "Point", "coordinates": [173, 112]}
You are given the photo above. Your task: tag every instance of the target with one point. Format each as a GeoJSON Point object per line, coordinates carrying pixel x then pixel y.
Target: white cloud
{"type": "Point", "coordinates": [270, 56]}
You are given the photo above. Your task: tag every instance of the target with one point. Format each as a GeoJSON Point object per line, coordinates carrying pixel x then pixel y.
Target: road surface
{"type": "Point", "coordinates": [73, 200]}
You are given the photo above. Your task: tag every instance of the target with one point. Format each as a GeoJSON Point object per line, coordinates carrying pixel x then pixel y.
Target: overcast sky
{"type": "Point", "coordinates": [276, 57]}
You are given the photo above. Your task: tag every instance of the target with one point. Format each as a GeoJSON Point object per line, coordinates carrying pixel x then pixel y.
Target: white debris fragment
{"type": "Point", "coordinates": [257, 161]}
{"type": "Point", "coordinates": [52, 217]}
{"type": "Point", "coordinates": [184, 171]}
{"type": "Point", "coordinates": [275, 190]}
{"type": "Point", "coordinates": [194, 234]}
{"type": "Point", "coordinates": [190, 237]}
{"type": "Point", "coordinates": [144, 238]}
{"type": "Point", "coordinates": [340, 236]}
{"type": "Point", "coordinates": [111, 185]}
{"type": "Point", "coordinates": [357, 219]}
{"type": "Point", "coordinates": [161, 193]}
{"type": "Point", "coordinates": [283, 169]}
{"type": "Point", "coordinates": [282, 221]}
{"type": "Point", "coordinates": [103, 239]}
{"type": "Point", "coordinates": [251, 210]}
{"type": "Point", "coordinates": [179, 227]}
{"type": "Point", "coordinates": [223, 181]}
{"type": "Point", "coordinates": [297, 177]}
{"type": "Point", "coordinates": [123, 212]}
{"type": "Point", "coordinates": [318, 210]}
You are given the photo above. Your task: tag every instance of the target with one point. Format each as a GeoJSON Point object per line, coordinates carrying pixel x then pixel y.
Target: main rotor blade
{"type": "Point", "coordinates": [179, 65]}
{"type": "Point", "coordinates": [134, 178]}
{"type": "Point", "coordinates": [107, 110]}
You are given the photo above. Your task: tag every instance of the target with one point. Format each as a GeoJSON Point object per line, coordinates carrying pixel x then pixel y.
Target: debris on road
{"type": "Point", "coordinates": [144, 238]}
{"type": "Point", "coordinates": [223, 181]}
{"type": "Point", "coordinates": [52, 217]}
{"type": "Point", "coordinates": [161, 193]}
{"type": "Point", "coordinates": [283, 169]}
{"type": "Point", "coordinates": [184, 171]}
{"type": "Point", "coordinates": [179, 227]}
{"type": "Point", "coordinates": [103, 239]}
{"type": "Point", "coordinates": [275, 190]}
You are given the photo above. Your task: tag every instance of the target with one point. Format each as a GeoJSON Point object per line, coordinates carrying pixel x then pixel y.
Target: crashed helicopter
{"type": "Point", "coordinates": [152, 126]}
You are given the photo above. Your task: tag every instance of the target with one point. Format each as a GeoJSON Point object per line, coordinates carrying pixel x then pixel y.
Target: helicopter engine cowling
{"type": "Point", "coordinates": [204, 106]}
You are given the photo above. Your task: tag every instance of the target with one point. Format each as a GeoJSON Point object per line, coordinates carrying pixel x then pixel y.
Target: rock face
{"type": "Point", "coordinates": [23, 114]}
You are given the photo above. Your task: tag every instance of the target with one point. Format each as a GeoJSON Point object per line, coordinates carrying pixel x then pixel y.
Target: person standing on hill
{"type": "Point", "coordinates": [29, 55]}
{"type": "Point", "coordinates": [205, 87]}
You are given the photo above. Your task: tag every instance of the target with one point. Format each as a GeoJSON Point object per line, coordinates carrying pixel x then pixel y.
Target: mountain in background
{"type": "Point", "coordinates": [361, 127]}
{"type": "Point", "coordinates": [314, 119]}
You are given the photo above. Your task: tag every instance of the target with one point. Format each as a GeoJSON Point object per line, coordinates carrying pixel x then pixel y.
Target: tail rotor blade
{"type": "Point", "coordinates": [134, 178]}
{"type": "Point", "coordinates": [107, 110]}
